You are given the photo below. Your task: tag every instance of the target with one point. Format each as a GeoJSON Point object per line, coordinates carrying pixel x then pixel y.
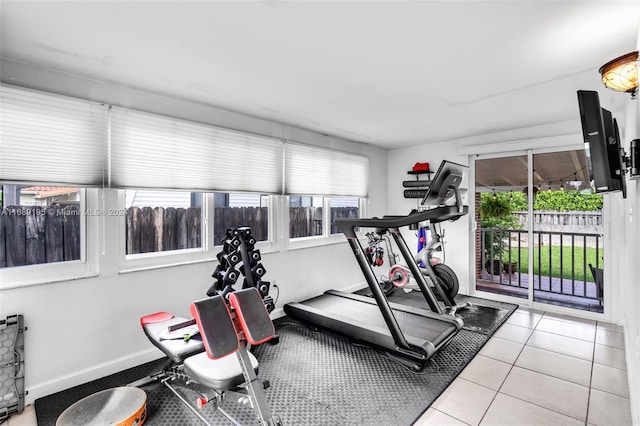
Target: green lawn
{"type": "Point", "coordinates": [577, 262]}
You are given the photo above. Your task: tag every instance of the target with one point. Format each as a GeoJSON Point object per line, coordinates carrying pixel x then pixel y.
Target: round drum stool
{"type": "Point", "coordinates": [123, 406]}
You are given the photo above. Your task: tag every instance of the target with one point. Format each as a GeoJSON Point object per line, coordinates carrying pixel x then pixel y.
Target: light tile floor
{"type": "Point", "coordinates": [538, 369]}
{"type": "Point", "coordinates": [541, 369]}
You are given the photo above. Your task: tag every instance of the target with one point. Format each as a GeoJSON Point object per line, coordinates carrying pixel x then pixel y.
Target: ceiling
{"type": "Point", "coordinates": [390, 73]}
{"type": "Point", "coordinates": [565, 169]}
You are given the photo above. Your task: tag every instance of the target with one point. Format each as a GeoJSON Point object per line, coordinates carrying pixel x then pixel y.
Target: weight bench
{"type": "Point", "coordinates": [208, 354]}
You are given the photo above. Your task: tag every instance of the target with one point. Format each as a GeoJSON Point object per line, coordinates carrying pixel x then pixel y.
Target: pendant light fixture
{"type": "Point", "coordinates": [621, 74]}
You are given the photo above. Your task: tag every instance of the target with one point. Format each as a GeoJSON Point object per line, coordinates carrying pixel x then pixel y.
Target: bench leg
{"type": "Point", "coordinates": [255, 390]}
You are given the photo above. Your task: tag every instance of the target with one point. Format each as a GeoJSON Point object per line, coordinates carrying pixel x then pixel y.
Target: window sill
{"type": "Point", "coordinates": [309, 242]}
{"type": "Point", "coordinates": [132, 269]}
{"type": "Point", "coordinates": [37, 281]}
{"type": "Point", "coordinates": [161, 260]}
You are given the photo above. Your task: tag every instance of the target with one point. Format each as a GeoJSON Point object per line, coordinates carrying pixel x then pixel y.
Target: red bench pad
{"type": "Point", "coordinates": [252, 315]}
{"type": "Point", "coordinates": [216, 327]}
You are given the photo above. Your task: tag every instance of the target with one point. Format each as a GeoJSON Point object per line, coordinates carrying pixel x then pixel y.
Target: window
{"type": "Point", "coordinates": [314, 170]}
{"type": "Point", "coordinates": [47, 234]}
{"type": "Point", "coordinates": [163, 228]}
{"type": "Point", "coordinates": [343, 208]}
{"type": "Point", "coordinates": [154, 151]}
{"type": "Point", "coordinates": [308, 214]}
{"type": "Point", "coordinates": [340, 179]}
{"type": "Point", "coordinates": [60, 143]}
{"type": "Point", "coordinates": [306, 217]}
{"type": "Point", "coordinates": [236, 210]}
{"type": "Point", "coordinates": [39, 224]}
{"type": "Point", "coordinates": [158, 221]}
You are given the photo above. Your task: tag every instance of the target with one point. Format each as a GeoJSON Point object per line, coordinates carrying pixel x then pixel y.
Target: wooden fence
{"type": "Point", "coordinates": [342, 213]}
{"type": "Point", "coordinates": [257, 218]}
{"type": "Point", "coordinates": [564, 221]}
{"type": "Point", "coordinates": [31, 235]}
{"type": "Point", "coordinates": [153, 229]}
{"type": "Point", "coordinates": [42, 234]}
{"type": "Point", "coordinates": [307, 221]}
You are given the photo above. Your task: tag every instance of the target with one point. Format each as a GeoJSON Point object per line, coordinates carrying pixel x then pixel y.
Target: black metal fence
{"type": "Point", "coordinates": [565, 263]}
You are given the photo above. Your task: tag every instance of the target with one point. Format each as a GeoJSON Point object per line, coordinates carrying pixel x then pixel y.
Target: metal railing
{"type": "Point", "coordinates": [563, 261]}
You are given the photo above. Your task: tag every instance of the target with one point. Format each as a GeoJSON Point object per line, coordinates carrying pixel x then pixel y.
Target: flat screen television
{"type": "Point", "coordinates": [601, 144]}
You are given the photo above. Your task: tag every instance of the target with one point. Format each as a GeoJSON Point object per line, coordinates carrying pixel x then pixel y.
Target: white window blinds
{"type": "Point", "coordinates": [46, 138]}
{"type": "Point", "coordinates": [318, 171]}
{"type": "Point", "coordinates": [152, 151]}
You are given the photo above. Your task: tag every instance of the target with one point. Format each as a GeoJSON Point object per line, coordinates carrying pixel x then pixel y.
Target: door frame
{"type": "Point", "coordinates": [530, 302]}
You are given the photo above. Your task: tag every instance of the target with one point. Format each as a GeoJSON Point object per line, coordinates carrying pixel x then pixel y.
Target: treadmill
{"type": "Point", "coordinates": [408, 334]}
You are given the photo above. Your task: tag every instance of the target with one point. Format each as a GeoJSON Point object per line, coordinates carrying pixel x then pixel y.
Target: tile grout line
{"type": "Point", "coordinates": [505, 377]}
{"type": "Point", "coordinates": [449, 415]}
{"type": "Point", "coordinates": [529, 402]}
{"type": "Point", "coordinates": [593, 360]}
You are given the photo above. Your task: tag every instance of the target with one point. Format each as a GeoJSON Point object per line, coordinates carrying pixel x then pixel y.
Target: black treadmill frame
{"type": "Point", "coordinates": [393, 225]}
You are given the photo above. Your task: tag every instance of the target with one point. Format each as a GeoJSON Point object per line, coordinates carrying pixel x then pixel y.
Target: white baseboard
{"type": "Point", "coordinates": [61, 383]}
{"type": "Point", "coordinates": [39, 390]}
{"type": "Point", "coordinates": [355, 287]}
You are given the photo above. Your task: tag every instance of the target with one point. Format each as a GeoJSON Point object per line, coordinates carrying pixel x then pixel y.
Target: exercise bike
{"type": "Point", "coordinates": [446, 284]}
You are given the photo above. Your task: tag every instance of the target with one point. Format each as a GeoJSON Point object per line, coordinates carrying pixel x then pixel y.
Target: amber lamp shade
{"type": "Point", "coordinates": [621, 74]}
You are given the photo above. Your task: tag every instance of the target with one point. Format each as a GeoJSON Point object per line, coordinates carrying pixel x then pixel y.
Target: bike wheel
{"type": "Point", "coordinates": [448, 278]}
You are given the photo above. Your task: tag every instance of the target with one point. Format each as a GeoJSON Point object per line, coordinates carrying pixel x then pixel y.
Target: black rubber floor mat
{"type": "Point", "coordinates": [482, 319]}
{"type": "Point", "coordinates": [50, 407]}
{"type": "Point", "coordinates": [483, 316]}
{"type": "Point", "coordinates": [317, 378]}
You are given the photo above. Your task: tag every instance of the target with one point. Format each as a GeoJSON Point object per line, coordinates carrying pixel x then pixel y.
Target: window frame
{"type": "Point", "coordinates": [85, 267]}
{"type": "Point", "coordinates": [162, 259]}
{"type": "Point", "coordinates": [206, 253]}
{"type": "Point", "coordinates": [326, 238]}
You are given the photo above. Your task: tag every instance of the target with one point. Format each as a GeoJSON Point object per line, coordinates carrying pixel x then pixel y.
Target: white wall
{"type": "Point", "coordinates": [630, 285]}
{"type": "Point", "coordinates": [456, 233]}
{"type": "Point", "coordinates": [629, 292]}
{"type": "Point", "coordinates": [80, 330]}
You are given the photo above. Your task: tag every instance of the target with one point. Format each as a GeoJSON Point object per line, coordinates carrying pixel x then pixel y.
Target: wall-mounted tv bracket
{"type": "Point", "coordinates": [634, 159]}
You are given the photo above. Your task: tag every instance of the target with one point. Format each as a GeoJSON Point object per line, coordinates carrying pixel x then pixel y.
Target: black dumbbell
{"type": "Point", "coordinates": [250, 241]}
{"type": "Point", "coordinates": [263, 288]}
{"type": "Point", "coordinates": [230, 245]}
{"type": "Point", "coordinates": [255, 256]}
{"type": "Point", "coordinates": [269, 303]}
{"type": "Point", "coordinates": [228, 276]}
{"type": "Point", "coordinates": [258, 271]}
{"type": "Point", "coordinates": [231, 259]}
{"type": "Point", "coordinates": [216, 271]}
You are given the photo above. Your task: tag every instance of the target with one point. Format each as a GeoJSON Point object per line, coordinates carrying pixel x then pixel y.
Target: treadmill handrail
{"type": "Point", "coordinates": [435, 215]}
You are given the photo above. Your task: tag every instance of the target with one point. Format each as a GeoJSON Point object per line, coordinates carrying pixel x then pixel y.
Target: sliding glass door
{"type": "Point", "coordinates": [539, 229]}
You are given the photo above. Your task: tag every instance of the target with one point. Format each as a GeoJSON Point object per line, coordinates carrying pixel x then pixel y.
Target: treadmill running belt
{"type": "Point", "coordinates": [360, 318]}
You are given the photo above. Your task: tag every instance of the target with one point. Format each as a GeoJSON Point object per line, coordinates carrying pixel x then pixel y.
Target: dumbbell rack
{"type": "Point", "coordinates": [239, 257]}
